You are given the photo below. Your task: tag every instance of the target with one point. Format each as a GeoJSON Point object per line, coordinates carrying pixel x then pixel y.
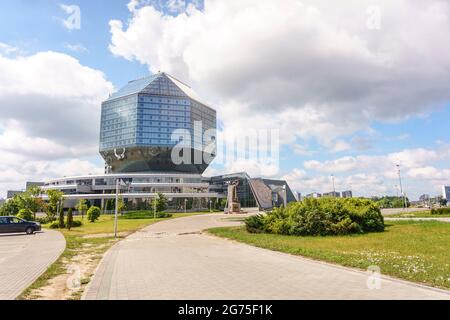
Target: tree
{"type": "Point", "coordinates": [93, 213]}
{"type": "Point", "coordinates": [120, 205]}
{"type": "Point", "coordinates": [10, 207]}
{"type": "Point", "coordinates": [25, 214]}
{"type": "Point", "coordinates": [61, 216]}
{"type": "Point", "coordinates": [160, 202]}
{"type": "Point", "coordinates": [442, 202]}
{"type": "Point", "coordinates": [69, 221]}
{"type": "Point", "coordinates": [82, 207]}
{"type": "Point", "coordinates": [54, 199]}
{"type": "Point", "coordinates": [30, 201]}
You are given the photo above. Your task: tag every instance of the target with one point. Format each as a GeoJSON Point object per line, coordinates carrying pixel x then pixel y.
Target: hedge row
{"type": "Point", "coordinates": [320, 217]}
{"type": "Point", "coordinates": [443, 210]}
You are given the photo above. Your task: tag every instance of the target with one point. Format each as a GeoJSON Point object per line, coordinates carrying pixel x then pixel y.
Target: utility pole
{"type": "Point", "coordinates": [185, 205]}
{"type": "Point", "coordinates": [334, 188]}
{"type": "Point", "coordinates": [154, 208]}
{"type": "Point", "coordinates": [116, 212]}
{"type": "Point", "coordinates": [401, 187]}
{"type": "Point", "coordinates": [285, 196]}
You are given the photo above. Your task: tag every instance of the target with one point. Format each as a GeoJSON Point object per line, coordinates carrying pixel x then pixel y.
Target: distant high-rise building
{"type": "Point", "coordinates": [33, 184]}
{"type": "Point", "coordinates": [11, 193]}
{"type": "Point", "coordinates": [313, 195]}
{"type": "Point", "coordinates": [446, 192]}
{"type": "Point", "coordinates": [332, 194]}
{"type": "Point", "coordinates": [347, 194]}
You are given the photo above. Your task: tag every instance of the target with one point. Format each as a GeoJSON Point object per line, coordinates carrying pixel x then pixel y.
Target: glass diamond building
{"type": "Point", "coordinates": [142, 126]}
{"type": "Point", "coordinates": [142, 123]}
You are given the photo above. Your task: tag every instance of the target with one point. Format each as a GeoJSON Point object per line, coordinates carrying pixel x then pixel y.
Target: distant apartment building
{"type": "Point", "coordinates": [347, 194]}
{"type": "Point", "coordinates": [332, 194]}
{"type": "Point", "coordinates": [446, 193]}
{"type": "Point", "coordinates": [34, 184]}
{"type": "Point", "coordinates": [313, 195]}
{"type": "Point", "coordinates": [11, 193]}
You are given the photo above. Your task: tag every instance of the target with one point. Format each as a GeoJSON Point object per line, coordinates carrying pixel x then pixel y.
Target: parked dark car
{"type": "Point", "coordinates": [16, 225]}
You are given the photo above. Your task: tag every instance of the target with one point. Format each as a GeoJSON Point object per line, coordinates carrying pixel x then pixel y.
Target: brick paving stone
{"type": "Point", "coordinates": [168, 260]}
{"type": "Point", "coordinates": [23, 258]}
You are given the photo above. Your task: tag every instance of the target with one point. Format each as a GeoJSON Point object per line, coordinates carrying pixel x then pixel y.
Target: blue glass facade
{"type": "Point", "coordinates": [145, 114]}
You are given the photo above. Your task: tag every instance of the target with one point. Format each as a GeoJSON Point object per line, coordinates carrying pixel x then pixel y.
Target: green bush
{"type": "Point", "coordinates": [320, 217]}
{"type": "Point", "coordinates": [93, 213]}
{"type": "Point", "coordinates": [54, 225]}
{"type": "Point", "coordinates": [43, 220]}
{"type": "Point", "coordinates": [61, 217]}
{"type": "Point", "coordinates": [75, 224]}
{"type": "Point", "coordinates": [440, 210]}
{"type": "Point", "coordinates": [255, 224]}
{"type": "Point", "coordinates": [69, 222]}
{"type": "Point", "coordinates": [25, 214]}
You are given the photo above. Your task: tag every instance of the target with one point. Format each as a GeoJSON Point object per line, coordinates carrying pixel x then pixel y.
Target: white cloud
{"type": "Point", "coordinates": [6, 49]}
{"type": "Point", "coordinates": [76, 47]}
{"type": "Point", "coordinates": [419, 174]}
{"type": "Point", "coordinates": [50, 114]}
{"type": "Point", "coordinates": [312, 68]}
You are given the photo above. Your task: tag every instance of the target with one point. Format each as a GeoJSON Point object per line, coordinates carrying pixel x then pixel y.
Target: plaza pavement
{"type": "Point", "coordinates": [173, 259]}
{"type": "Point", "coordinates": [23, 258]}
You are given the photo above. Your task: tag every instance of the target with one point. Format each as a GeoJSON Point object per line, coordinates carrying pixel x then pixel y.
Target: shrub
{"type": "Point", "coordinates": [69, 223]}
{"type": "Point", "coordinates": [54, 225]}
{"type": "Point", "coordinates": [75, 224]}
{"type": "Point", "coordinates": [255, 224]}
{"type": "Point", "coordinates": [93, 213]}
{"type": "Point", "coordinates": [25, 214]}
{"type": "Point", "coordinates": [320, 217]}
{"type": "Point", "coordinates": [44, 220]}
{"type": "Point", "coordinates": [440, 211]}
{"type": "Point", "coordinates": [61, 216]}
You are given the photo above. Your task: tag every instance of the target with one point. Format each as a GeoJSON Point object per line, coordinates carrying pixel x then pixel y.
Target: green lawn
{"type": "Point", "coordinates": [99, 240]}
{"type": "Point", "coordinates": [418, 214]}
{"type": "Point", "coordinates": [415, 251]}
{"type": "Point", "coordinates": [105, 224]}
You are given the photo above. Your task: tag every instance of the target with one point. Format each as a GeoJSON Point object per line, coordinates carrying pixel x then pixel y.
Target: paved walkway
{"type": "Point", "coordinates": [173, 260]}
{"type": "Point", "coordinates": [24, 258]}
{"type": "Point", "coordinates": [391, 211]}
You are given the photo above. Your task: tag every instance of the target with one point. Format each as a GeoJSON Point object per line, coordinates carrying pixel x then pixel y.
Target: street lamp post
{"type": "Point", "coordinates": [185, 205]}
{"type": "Point", "coordinates": [116, 211]}
{"type": "Point", "coordinates": [401, 187]}
{"type": "Point", "coordinates": [154, 208]}
{"type": "Point", "coordinates": [285, 196]}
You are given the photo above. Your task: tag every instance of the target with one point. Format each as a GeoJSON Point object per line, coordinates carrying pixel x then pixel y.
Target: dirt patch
{"type": "Point", "coordinates": [79, 270]}
{"type": "Point", "coordinates": [106, 235]}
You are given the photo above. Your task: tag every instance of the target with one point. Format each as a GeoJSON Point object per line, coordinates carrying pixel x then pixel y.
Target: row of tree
{"type": "Point", "coordinates": [28, 203]}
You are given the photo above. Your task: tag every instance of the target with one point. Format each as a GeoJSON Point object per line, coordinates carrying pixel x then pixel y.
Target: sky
{"type": "Point", "coordinates": [351, 89]}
